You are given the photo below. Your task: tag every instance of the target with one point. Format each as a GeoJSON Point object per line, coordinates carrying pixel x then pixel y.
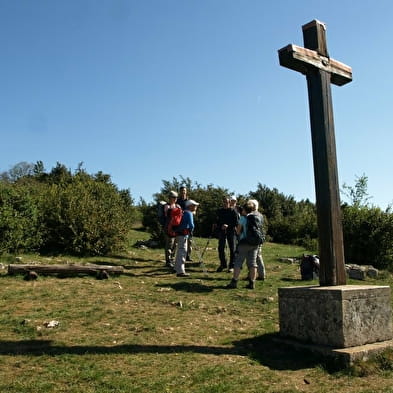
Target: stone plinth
{"type": "Point", "coordinates": [337, 316]}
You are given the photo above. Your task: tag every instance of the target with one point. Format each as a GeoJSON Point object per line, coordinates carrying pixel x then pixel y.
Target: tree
{"type": "Point", "coordinates": [357, 194]}
{"type": "Point", "coordinates": [18, 171]}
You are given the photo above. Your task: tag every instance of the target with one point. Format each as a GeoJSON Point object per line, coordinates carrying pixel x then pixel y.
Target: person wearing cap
{"type": "Point", "coordinates": [183, 231]}
{"type": "Point", "coordinates": [170, 241]}
{"type": "Point", "coordinates": [226, 222]}
{"type": "Point", "coordinates": [181, 200]}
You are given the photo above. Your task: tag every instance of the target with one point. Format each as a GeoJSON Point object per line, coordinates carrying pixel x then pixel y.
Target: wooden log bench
{"type": "Point", "coordinates": [31, 271]}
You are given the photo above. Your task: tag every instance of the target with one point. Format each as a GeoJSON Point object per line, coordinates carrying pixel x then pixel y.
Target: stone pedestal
{"type": "Point", "coordinates": [336, 317]}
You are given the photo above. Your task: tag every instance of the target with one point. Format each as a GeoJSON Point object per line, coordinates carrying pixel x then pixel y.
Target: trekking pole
{"type": "Point", "coordinates": [201, 254]}
{"type": "Point", "coordinates": [201, 263]}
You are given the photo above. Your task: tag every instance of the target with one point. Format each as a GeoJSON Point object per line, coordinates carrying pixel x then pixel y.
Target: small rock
{"type": "Point", "coordinates": [51, 324]}
{"type": "Point", "coordinates": [372, 272]}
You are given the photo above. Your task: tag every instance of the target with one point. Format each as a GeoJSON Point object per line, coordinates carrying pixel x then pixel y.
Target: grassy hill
{"type": "Point", "coordinates": [149, 331]}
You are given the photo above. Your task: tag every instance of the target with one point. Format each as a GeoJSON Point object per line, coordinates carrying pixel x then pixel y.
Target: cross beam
{"type": "Point", "coordinates": [302, 59]}
{"type": "Point", "coordinates": [320, 70]}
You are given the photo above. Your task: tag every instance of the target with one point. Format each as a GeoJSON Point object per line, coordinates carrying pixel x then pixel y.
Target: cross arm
{"type": "Point", "coordinates": [302, 59]}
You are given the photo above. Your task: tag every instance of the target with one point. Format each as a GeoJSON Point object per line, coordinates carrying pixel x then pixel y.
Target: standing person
{"type": "Point", "coordinates": [225, 226]}
{"type": "Point", "coordinates": [261, 271]}
{"type": "Point", "coordinates": [246, 250]}
{"type": "Point", "coordinates": [183, 231]}
{"type": "Point", "coordinates": [182, 199]}
{"type": "Point", "coordinates": [170, 241]}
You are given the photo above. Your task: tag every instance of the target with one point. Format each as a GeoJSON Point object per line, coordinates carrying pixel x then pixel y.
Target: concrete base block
{"type": "Point", "coordinates": [342, 357]}
{"type": "Point", "coordinates": [336, 317]}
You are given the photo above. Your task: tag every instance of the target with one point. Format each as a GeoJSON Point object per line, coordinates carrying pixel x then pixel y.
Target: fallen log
{"type": "Point", "coordinates": [101, 271]}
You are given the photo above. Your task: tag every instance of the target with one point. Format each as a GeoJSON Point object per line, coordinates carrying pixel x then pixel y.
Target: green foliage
{"type": "Point", "coordinates": [358, 193]}
{"type": "Point", "coordinates": [289, 222]}
{"type": "Point", "coordinates": [368, 236]}
{"type": "Point", "coordinates": [150, 221]}
{"type": "Point", "coordinates": [67, 213]}
{"type": "Point", "coordinates": [19, 219]}
{"type": "Point", "coordinates": [85, 217]}
{"type": "Point", "coordinates": [368, 231]}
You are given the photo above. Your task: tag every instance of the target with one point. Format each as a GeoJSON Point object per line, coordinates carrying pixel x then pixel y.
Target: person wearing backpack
{"type": "Point", "coordinates": [251, 237]}
{"type": "Point", "coordinates": [170, 238]}
{"type": "Point", "coordinates": [181, 200]}
{"type": "Point", "coordinates": [183, 231]}
{"type": "Point", "coordinates": [261, 271]}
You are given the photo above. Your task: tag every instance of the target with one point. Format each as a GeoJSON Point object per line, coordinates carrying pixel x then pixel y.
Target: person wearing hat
{"type": "Point", "coordinates": [183, 232]}
{"type": "Point", "coordinates": [170, 241]}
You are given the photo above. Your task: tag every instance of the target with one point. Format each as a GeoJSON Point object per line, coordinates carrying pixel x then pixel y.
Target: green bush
{"type": "Point", "coordinates": [62, 212]}
{"type": "Point", "coordinates": [368, 236]}
{"type": "Point", "coordinates": [19, 220]}
{"type": "Point", "coordinates": [85, 216]}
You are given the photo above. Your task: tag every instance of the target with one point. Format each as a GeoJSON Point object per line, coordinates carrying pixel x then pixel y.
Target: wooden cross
{"type": "Point", "coordinates": [321, 70]}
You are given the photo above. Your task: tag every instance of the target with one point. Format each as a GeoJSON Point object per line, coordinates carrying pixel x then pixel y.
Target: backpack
{"type": "Point", "coordinates": [174, 219]}
{"type": "Point", "coordinates": [309, 267]}
{"type": "Point", "coordinates": [161, 212]}
{"type": "Point", "coordinates": [254, 231]}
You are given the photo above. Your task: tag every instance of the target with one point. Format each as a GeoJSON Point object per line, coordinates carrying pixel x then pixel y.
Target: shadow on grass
{"type": "Point", "coordinates": [288, 279]}
{"type": "Point", "coordinates": [263, 349]}
{"type": "Point", "coordinates": [188, 287]}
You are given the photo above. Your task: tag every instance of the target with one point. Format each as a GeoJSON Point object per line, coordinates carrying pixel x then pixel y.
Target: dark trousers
{"type": "Point", "coordinates": [224, 237]}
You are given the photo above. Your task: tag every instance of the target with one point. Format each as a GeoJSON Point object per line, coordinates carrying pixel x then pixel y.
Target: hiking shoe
{"type": "Point", "coordinates": [220, 269]}
{"type": "Point", "coordinates": [183, 275]}
{"type": "Point", "coordinates": [232, 284]}
{"type": "Point", "coordinates": [251, 284]}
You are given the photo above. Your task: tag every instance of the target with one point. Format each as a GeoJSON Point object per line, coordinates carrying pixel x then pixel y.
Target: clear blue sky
{"type": "Point", "coordinates": [123, 84]}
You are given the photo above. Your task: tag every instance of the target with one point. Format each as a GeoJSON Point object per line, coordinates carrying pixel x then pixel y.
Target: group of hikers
{"type": "Point", "coordinates": [238, 227]}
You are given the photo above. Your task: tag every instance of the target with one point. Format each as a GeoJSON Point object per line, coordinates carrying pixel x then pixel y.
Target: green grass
{"type": "Point", "coordinates": [149, 331]}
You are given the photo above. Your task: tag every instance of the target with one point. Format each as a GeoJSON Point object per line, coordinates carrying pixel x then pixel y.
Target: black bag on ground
{"type": "Point", "coordinates": [309, 267]}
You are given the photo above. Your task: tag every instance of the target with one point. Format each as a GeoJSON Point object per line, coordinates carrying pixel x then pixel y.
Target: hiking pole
{"type": "Point", "coordinates": [201, 263]}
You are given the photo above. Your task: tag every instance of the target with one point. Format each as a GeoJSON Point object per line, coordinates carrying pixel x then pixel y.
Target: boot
{"type": "Point", "coordinates": [232, 284]}
{"type": "Point", "coordinates": [251, 284]}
